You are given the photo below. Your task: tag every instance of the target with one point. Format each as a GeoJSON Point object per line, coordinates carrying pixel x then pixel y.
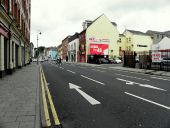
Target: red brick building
{"type": "Point", "coordinates": [65, 48]}
{"type": "Point", "coordinates": [82, 47]}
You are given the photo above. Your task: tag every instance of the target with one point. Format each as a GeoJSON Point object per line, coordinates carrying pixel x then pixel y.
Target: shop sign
{"type": "Point", "coordinates": [99, 49]}
{"type": "Point", "coordinates": [156, 56]}
{"type": "Point", "coordinates": [93, 40]}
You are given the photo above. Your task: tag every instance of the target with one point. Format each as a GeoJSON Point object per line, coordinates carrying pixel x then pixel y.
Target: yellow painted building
{"type": "Point", "coordinates": [135, 41]}
{"type": "Point", "coordinates": [102, 32]}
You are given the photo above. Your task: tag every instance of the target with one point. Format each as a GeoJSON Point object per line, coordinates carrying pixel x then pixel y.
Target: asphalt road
{"type": "Point", "coordinates": [107, 98]}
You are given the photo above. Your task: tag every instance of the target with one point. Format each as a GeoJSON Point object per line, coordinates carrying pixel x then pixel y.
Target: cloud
{"type": "Point", "coordinates": [58, 19]}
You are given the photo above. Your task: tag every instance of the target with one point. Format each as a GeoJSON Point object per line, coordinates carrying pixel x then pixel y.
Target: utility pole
{"type": "Point", "coordinates": [37, 47]}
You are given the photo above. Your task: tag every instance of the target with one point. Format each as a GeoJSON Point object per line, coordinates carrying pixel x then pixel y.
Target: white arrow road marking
{"type": "Point", "coordinates": [71, 71]}
{"type": "Point", "coordinates": [90, 99]}
{"type": "Point", "coordinates": [132, 77]}
{"type": "Point", "coordinates": [142, 85]}
{"type": "Point", "coordinates": [92, 80]}
{"type": "Point", "coordinates": [163, 106]}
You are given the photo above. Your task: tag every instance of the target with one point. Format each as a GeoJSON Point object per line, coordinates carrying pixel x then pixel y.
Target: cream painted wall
{"type": "Point", "coordinates": [122, 44]}
{"type": "Point", "coordinates": [142, 40]}
{"type": "Point", "coordinates": [102, 28]}
{"type": "Point", "coordinates": [134, 40]}
{"type": "Point", "coordinates": [129, 40]}
{"type": "Point", "coordinates": [76, 42]}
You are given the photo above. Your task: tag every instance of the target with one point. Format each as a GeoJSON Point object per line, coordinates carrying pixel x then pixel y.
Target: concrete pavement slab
{"type": "Point", "coordinates": [166, 74]}
{"type": "Point", "coordinates": [157, 73]}
{"type": "Point", "coordinates": [19, 96]}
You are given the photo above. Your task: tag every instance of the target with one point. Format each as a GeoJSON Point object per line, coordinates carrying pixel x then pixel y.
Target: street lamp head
{"type": "Point", "coordinates": [40, 33]}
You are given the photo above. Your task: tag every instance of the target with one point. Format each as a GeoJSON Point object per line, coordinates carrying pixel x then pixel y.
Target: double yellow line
{"type": "Point", "coordinates": [46, 93]}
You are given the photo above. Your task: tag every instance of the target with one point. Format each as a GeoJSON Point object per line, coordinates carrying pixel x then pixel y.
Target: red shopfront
{"type": "Point", "coordinates": [97, 51]}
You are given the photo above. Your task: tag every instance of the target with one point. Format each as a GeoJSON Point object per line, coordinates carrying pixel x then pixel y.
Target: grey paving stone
{"type": "Point", "coordinates": [8, 119]}
{"type": "Point", "coordinates": [18, 98]}
{"type": "Point", "coordinates": [10, 125]}
{"type": "Point", "coordinates": [26, 125]}
{"type": "Point", "coordinates": [25, 118]}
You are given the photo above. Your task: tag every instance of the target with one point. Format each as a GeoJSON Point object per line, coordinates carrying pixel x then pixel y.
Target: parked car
{"type": "Point", "coordinates": [116, 61]}
{"type": "Point", "coordinates": [41, 60]}
{"type": "Point", "coordinates": [46, 59]}
{"type": "Point", "coordinates": [165, 61]}
{"type": "Point", "coordinates": [102, 61]}
{"type": "Point", "coordinates": [34, 59]}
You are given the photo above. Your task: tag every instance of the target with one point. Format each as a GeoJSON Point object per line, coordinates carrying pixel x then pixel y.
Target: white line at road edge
{"type": "Point", "coordinates": [93, 80]}
{"type": "Point", "coordinates": [97, 70]}
{"type": "Point", "coordinates": [160, 105]}
{"type": "Point", "coordinates": [71, 71]}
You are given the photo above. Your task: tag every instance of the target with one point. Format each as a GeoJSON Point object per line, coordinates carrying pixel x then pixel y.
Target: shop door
{"type": "Point", "coordinates": [5, 53]}
{"type": "Point", "coordinates": [16, 55]}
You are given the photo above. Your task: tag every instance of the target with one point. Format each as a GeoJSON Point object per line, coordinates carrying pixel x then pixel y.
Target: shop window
{"type": "Point", "coordinates": [15, 11]}
{"type": "Point", "coordinates": [120, 48]}
{"type": "Point", "coordinates": [3, 3]}
{"type": "Point", "coordinates": [18, 18]}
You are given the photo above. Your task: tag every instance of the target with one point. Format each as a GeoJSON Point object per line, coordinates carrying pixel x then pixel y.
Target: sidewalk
{"type": "Point", "coordinates": [151, 72]}
{"type": "Point", "coordinates": [19, 99]}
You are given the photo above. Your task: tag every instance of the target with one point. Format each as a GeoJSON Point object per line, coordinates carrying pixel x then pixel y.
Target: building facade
{"type": "Point", "coordinates": [81, 54]}
{"type": "Point", "coordinates": [14, 34]}
{"type": "Point", "coordinates": [53, 53]}
{"type": "Point", "coordinates": [158, 36]}
{"type": "Point", "coordinates": [137, 41]}
{"type": "Point", "coordinates": [65, 48]}
{"type": "Point", "coordinates": [59, 51]}
{"type": "Point", "coordinates": [73, 47]}
{"type": "Point", "coordinates": [31, 50]}
{"type": "Point", "coordinates": [101, 39]}
{"type": "Point", "coordinates": [47, 52]}
{"type": "Point", "coordinates": [122, 42]}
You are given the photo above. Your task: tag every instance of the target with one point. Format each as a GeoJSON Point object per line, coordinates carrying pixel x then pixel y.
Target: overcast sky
{"type": "Point", "coordinates": [57, 19]}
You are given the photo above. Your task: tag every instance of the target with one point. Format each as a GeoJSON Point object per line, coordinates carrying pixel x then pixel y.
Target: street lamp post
{"type": "Point", "coordinates": [37, 47]}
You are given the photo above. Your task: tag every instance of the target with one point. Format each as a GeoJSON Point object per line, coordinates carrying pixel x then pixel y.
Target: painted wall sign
{"type": "Point", "coordinates": [99, 49]}
{"type": "Point", "coordinates": [93, 40]}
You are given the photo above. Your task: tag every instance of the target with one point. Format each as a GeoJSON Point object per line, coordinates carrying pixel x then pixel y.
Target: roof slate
{"type": "Point", "coordinates": [138, 32]}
